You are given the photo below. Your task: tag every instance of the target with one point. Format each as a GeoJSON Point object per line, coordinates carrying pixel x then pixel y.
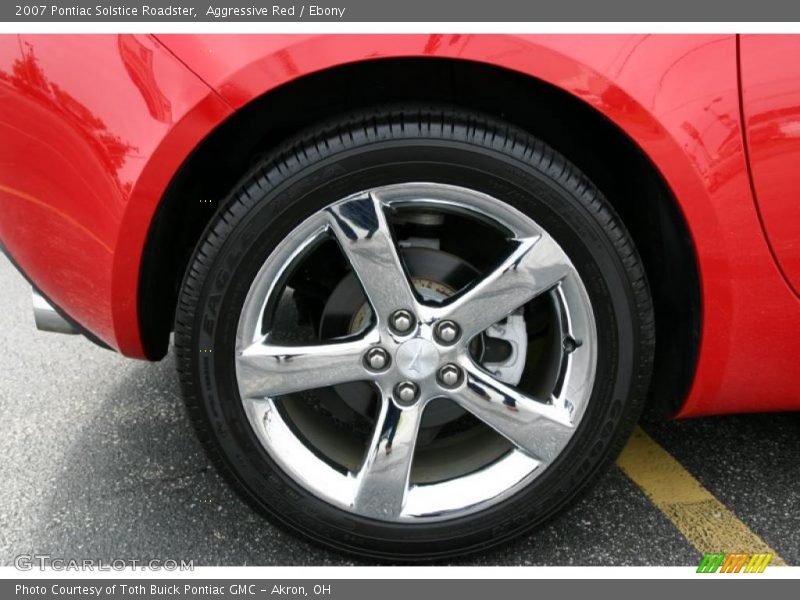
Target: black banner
{"type": "Point", "coordinates": [395, 11]}
{"type": "Point", "coordinates": [396, 589]}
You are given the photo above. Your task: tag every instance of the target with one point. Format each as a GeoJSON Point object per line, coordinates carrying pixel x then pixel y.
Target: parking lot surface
{"type": "Point", "coordinates": [99, 461]}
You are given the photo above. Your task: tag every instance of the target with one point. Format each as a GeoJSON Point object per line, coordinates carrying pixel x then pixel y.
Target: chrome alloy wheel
{"type": "Point", "coordinates": [415, 352]}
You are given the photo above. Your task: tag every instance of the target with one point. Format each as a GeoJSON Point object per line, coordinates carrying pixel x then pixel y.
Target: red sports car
{"type": "Point", "coordinates": [421, 287]}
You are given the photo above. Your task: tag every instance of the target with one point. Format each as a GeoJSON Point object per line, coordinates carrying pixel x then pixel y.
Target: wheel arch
{"type": "Point", "coordinates": [606, 153]}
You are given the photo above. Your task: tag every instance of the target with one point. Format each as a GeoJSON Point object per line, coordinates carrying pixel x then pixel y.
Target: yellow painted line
{"type": "Point", "coordinates": [704, 521]}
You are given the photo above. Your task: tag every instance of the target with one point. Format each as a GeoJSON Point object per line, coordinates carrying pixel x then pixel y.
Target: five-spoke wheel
{"type": "Point", "coordinates": [413, 333]}
{"type": "Point", "coordinates": [415, 351]}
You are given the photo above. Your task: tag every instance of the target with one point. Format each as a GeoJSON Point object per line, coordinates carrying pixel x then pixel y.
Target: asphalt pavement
{"type": "Point", "coordinates": [98, 460]}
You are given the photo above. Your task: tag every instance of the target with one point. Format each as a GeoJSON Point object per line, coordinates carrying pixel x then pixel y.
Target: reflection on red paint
{"type": "Point", "coordinates": [138, 61]}
{"type": "Point", "coordinates": [771, 103]}
{"type": "Point", "coordinates": [80, 118]}
{"type": "Point", "coordinates": [29, 79]}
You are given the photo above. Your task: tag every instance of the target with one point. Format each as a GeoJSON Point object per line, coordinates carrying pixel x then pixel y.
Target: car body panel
{"type": "Point", "coordinates": [676, 97]}
{"type": "Point", "coordinates": [770, 71]}
{"type": "Point", "coordinates": [91, 127]}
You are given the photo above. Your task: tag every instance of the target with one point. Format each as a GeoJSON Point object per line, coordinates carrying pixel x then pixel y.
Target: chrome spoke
{"type": "Point", "coordinates": [535, 266]}
{"type": "Point", "coordinates": [360, 227]}
{"type": "Point", "coordinates": [266, 369]}
{"type": "Point", "coordinates": [383, 479]}
{"type": "Point", "coordinates": [419, 346]}
{"type": "Point", "coordinates": [537, 428]}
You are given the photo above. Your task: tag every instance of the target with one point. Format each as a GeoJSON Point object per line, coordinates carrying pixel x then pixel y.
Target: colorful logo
{"type": "Point", "coordinates": [733, 562]}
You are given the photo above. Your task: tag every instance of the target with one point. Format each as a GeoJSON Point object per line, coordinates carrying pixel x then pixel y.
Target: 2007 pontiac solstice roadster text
{"type": "Point", "coordinates": [176, 10]}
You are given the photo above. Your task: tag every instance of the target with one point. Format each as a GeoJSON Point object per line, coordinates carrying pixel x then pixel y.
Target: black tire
{"type": "Point", "coordinates": [390, 145]}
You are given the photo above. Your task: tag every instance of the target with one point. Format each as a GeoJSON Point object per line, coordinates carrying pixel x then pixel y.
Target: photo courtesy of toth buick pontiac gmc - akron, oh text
{"type": "Point", "coordinates": [419, 288]}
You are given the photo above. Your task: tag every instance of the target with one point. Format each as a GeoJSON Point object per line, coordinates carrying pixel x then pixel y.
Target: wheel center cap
{"type": "Point", "coordinates": [417, 358]}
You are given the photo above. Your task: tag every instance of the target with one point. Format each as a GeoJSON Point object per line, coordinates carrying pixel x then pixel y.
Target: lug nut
{"type": "Point", "coordinates": [402, 321]}
{"type": "Point", "coordinates": [450, 376]}
{"type": "Point", "coordinates": [406, 392]}
{"type": "Point", "coordinates": [447, 332]}
{"type": "Point", "coordinates": [376, 359]}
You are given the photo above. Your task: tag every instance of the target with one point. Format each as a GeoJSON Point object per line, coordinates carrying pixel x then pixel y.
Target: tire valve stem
{"type": "Point", "coordinates": [570, 344]}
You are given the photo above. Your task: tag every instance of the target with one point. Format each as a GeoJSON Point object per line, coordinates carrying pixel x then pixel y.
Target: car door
{"type": "Point", "coordinates": [770, 80]}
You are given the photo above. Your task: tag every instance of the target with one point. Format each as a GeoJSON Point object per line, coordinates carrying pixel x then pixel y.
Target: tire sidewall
{"type": "Point", "coordinates": [273, 203]}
